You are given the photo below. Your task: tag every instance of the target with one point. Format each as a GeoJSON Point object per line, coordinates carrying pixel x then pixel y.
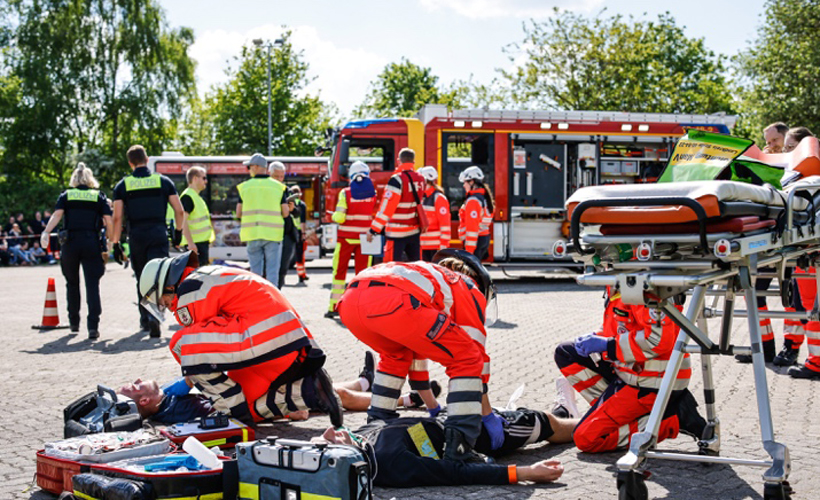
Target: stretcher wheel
{"type": "Point", "coordinates": [632, 486]}
{"type": "Point", "coordinates": [787, 293]}
{"type": "Point", "coordinates": [777, 491]}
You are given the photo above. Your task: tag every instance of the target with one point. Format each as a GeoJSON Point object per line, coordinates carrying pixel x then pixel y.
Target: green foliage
{"type": "Point", "coordinates": [93, 77]}
{"type": "Point", "coordinates": [572, 62]}
{"type": "Point", "coordinates": [780, 70]}
{"type": "Point", "coordinates": [401, 89]}
{"type": "Point", "coordinates": [238, 110]}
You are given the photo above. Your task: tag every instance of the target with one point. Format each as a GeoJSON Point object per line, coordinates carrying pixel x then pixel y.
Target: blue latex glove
{"type": "Point", "coordinates": [178, 387]}
{"type": "Point", "coordinates": [589, 344]}
{"type": "Point", "coordinates": [434, 411]}
{"type": "Point", "coordinates": [494, 425]}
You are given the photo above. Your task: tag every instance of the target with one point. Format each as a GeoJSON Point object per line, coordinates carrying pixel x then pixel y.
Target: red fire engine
{"type": "Point", "coordinates": [532, 160]}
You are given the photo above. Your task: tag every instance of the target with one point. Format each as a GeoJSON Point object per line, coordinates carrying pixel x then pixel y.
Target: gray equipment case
{"type": "Point", "coordinates": [284, 469]}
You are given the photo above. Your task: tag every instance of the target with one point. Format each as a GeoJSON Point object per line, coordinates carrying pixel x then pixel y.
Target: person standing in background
{"type": "Point", "coordinates": [198, 231]}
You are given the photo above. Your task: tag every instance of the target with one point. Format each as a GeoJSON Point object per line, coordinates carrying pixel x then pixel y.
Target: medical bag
{"type": "Point", "coordinates": [101, 411]}
{"type": "Point", "coordinates": [284, 469]}
{"type": "Point", "coordinates": [224, 437]}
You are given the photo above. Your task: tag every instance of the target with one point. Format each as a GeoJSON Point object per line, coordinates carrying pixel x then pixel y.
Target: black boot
{"type": "Point", "coordinates": [768, 353]}
{"type": "Point", "coordinates": [691, 423]}
{"type": "Point", "coordinates": [417, 402]}
{"type": "Point", "coordinates": [368, 370]}
{"type": "Point", "coordinates": [803, 372]}
{"type": "Point", "coordinates": [788, 355]}
{"type": "Point", "coordinates": [456, 447]}
{"type": "Point", "coordinates": [153, 329]}
{"type": "Point", "coordinates": [325, 398]}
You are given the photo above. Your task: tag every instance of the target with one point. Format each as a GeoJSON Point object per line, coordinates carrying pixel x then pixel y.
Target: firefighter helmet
{"type": "Point", "coordinates": [357, 169]}
{"type": "Point", "coordinates": [471, 173]}
{"type": "Point", "coordinates": [429, 173]}
{"type": "Point", "coordinates": [159, 273]}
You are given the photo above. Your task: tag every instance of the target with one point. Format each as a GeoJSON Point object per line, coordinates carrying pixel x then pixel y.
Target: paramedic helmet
{"type": "Point", "coordinates": [470, 174]}
{"type": "Point", "coordinates": [156, 276]}
{"type": "Point", "coordinates": [429, 173]}
{"type": "Point", "coordinates": [483, 279]}
{"type": "Point", "coordinates": [357, 170]}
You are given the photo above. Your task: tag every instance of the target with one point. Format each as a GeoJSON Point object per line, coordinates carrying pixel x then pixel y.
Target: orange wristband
{"type": "Point", "coordinates": [512, 473]}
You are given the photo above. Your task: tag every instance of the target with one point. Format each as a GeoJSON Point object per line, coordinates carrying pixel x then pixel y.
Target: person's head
{"type": "Point", "coordinates": [159, 279]}
{"type": "Point", "coordinates": [471, 178]}
{"type": "Point", "coordinates": [430, 175]}
{"type": "Point", "coordinates": [197, 178]}
{"type": "Point", "coordinates": [295, 191]}
{"type": "Point", "coordinates": [15, 227]}
{"type": "Point", "coordinates": [358, 170]}
{"type": "Point", "coordinates": [35, 244]}
{"type": "Point", "coordinates": [11, 219]}
{"type": "Point", "coordinates": [407, 155]}
{"type": "Point", "coordinates": [794, 136]}
{"type": "Point", "coordinates": [38, 216]}
{"type": "Point", "coordinates": [463, 262]}
{"type": "Point", "coordinates": [277, 170]}
{"type": "Point", "coordinates": [257, 164]}
{"type": "Point", "coordinates": [146, 393]}
{"type": "Point", "coordinates": [20, 217]}
{"type": "Point", "coordinates": [774, 135]}
{"type": "Point", "coordinates": [83, 176]}
{"type": "Point", "coordinates": [137, 157]}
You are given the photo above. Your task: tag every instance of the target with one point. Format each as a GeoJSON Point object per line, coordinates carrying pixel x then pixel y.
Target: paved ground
{"type": "Point", "coordinates": [44, 371]}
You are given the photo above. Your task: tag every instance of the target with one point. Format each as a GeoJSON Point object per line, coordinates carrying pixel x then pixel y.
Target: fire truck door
{"type": "Point", "coordinates": [538, 176]}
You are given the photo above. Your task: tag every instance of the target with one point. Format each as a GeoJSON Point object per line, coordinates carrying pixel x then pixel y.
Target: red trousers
{"type": "Point", "coordinates": [397, 326]}
{"type": "Point", "coordinates": [620, 411]}
{"type": "Point", "coordinates": [808, 292]}
{"type": "Point", "coordinates": [341, 259]}
{"type": "Point", "coordinates": [256, 380]}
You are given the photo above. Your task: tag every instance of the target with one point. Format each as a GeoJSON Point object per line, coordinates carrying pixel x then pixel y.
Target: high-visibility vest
{"type": "Point", "coordinates": [262, 209]}
{"type": "Point", "coordinates": [358, 214]}
{"type": "Point", "coordinates": [437, 209]}
{"type": "Point", "coordinates": [397, 213]}
{"type": "Point", "coordinates": [474, 219]}
{"type": "Point", "coordinates": [199, 220]}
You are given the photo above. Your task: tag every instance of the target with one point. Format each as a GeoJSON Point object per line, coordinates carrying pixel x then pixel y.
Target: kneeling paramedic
{"type": "Point", "coordinates": [242, 343]}
{"type": "Point", "coordinates": [407, 450]}
{"type": "Point", "coordinates": [619, 369]}
{"type": "Point", "coordinates": [420, 310]}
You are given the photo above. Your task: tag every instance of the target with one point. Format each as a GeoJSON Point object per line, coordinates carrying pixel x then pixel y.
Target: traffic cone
{"type": "Point", "coordinates": [51, 317]}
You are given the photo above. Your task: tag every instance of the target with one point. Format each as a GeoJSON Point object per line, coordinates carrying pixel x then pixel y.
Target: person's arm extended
{"type": "Point", "coordinates": [118, 212]}
{"type": "Point", "coordinates": [109, 228]}
{"type": "Point", "coordinates": [173, 200]}
{"type": "Point", "coordinates": [55, 219]}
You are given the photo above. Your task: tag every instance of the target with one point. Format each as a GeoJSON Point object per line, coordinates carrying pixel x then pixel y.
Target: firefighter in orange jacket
{"type": "Point", "coordinates": [475, 217]}
{"type": "Point", "coordinates": [353, 214]}
{"type": "Point", "coordinates": [398, 215]}
{"type": "Point", "coordinates": [437, 208]}
{"type": "Point", "coordinates": [634, 346]}
{"type": "Point", "coordinates": [241, 343]}
{"type": "Point", "coordinates": [435, 311]}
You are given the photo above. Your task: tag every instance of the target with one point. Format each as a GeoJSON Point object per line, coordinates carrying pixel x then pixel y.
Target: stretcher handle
{"type": "Point", "coordinates": [652, 201]}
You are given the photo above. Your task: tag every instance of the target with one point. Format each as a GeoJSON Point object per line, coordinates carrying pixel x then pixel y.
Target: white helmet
{"type": "Point", "coordinates": [156, 274]}
{"type": "Point", "coordinates": [358, 168]}
{"type": "Point", "coordinates": [471, 173]}
{"type": "Point", "coordinates": [429, 173]}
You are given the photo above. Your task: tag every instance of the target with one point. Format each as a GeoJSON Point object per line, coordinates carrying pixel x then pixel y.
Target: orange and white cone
{"type": "Point", "coordinates": [51, 316]}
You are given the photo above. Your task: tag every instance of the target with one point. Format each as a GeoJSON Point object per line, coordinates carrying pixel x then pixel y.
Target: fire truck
{"type": "Point", "coordinates": [221, 195]}
{"type": "Point", "coordinates": [532, 161]}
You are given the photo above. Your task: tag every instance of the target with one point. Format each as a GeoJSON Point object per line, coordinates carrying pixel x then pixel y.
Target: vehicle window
{"type": "Point", "coordinates": [379, 154]}
{"type": "Point", "coordinates": [461, 151]}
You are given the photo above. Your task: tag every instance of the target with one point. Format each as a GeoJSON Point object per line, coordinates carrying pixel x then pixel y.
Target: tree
{"type": "Point", "coordinates": [401, 89]}
{"type": "Point", "coordinates": [779, 71]}
{"type": "Point", "coordinates": [94, 76]}
{"type": "Point", "coordinates": [610, 63]}
{"type": "Point", "coordinates": [238, 109]}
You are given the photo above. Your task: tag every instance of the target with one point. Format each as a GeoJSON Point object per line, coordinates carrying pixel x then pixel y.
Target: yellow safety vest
{"type": "Point", "coordinates": [262, 209]}
{"type": "Point", "coordinates": [199, 220]}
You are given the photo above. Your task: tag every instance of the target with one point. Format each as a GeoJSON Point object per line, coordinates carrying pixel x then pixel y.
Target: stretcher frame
{"type": "Point", "coordinates": [703, 272]}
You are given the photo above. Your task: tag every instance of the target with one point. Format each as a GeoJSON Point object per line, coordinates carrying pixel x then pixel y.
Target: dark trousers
{"type": "Point", "coordinates": [482, 249]}
{"type": "Point", "coordinates": [427, 255]}
{"type": "Point", "coordinates": [146, 243]}
{"type": "Point", "coordinates": [202, 249]}
{"type": "Point", "coordinates": [83, 249]}
{"type": "Point", "coordinates": [288, 253]}
{"type": "Point", "coordinates": [407, 249]}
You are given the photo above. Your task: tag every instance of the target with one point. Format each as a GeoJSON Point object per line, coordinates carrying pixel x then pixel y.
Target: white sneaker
{"type": "Point", "coordinates": [565, 397]}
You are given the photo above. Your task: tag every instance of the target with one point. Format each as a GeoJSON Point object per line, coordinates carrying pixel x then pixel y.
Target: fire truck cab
{"type": "Point", "coordinates": [532, 161]}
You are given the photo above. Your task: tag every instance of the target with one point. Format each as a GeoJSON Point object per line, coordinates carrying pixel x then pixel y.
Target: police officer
{"type": "Point", "coordinates": [142, 198]}
{"type": "Point", "coordinates": [198, 232]}
{"type": "Point", "coordinates": [85, 208]}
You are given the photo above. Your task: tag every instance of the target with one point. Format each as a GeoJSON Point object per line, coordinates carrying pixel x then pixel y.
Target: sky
{"type": "Point", "coordinates": [348, 43]}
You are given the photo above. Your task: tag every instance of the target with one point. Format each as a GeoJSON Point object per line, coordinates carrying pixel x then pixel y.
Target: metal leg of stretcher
{"type": "Point", "coordinates": [709, 443]}
{"type": "Point", "coordinates": [781, 465]}
{"type": "Point", "coordinates": [643, 441]}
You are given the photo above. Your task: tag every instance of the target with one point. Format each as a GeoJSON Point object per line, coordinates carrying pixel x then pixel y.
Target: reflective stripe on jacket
{"type": "Point", "coordinates": [199, 220]}
{"type": "Point", "coordinates": [353, 216]}
{"type": "Point", "coordinates": [437, 209]}
{"type": "Point", "coordinates": [261, 209]}
{"type": "Point", "coordinates": [474, 219]}
{"type": "Point", "coordinates": [397, 211]}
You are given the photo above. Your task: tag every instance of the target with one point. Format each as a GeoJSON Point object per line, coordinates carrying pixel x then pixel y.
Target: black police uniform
{"type": "Point", "coordinates": [83, 211]}
{"type": "Point", "coordinates": [145, 196]}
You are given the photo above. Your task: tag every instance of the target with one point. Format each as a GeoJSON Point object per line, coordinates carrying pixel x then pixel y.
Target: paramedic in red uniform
{"type": "Point", "coordinates": [433, 311]}
{"type": "Point", "coordinates": [241, 343]}
{"type": "Point", "coordinates": [353, 214]}
{"type": "Point", "coordinates": [475, 217]}
{"type": "Point", "coordinates": [808, 290]}
{"type": "Point", "coordinates": [437, 208]}
{"type": "Point", "coordinates": [634, 346]}
{"type": "Point", "coordinates": [397, 215]}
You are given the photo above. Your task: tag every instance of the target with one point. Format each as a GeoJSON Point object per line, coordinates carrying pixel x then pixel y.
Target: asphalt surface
{"type": "Point", "coordinates": [46, 370]}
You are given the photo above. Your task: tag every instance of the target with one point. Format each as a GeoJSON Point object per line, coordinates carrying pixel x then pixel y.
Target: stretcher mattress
{"type": "Point", "coordinates": [718, 199]}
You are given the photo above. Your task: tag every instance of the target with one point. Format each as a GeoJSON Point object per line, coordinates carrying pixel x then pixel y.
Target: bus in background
{"type": "Point", "coordinates": [221, 195]}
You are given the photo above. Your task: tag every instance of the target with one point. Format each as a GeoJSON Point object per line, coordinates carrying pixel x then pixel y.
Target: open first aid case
{"type": "Point", "coordinates": [225, 437]}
